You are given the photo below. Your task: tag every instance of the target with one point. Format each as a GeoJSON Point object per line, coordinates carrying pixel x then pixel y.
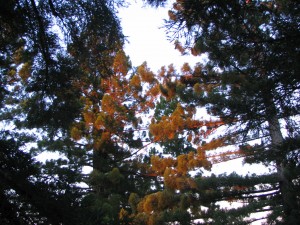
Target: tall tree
{"type": "Point", "coordinates": [253, 48]}
{"type": "Point", "coordinates": [48, 46]}
{"type": "Point", "coordinates": [52, 52]}
{"type": "Point", "coordinates": [111, 131]}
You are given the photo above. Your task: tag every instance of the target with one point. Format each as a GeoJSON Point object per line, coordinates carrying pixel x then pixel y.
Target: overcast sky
{"type": "Point", "coordinates": [143, 25]}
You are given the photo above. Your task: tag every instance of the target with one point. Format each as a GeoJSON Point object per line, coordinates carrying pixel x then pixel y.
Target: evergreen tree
{"type": "Point", "coordinates": [30, 193]}
{"type": "Point", "coordinates": [52, 53]}
{"type": "Point", "coordinates": [110, 130]}
{"type": "Point", "coordinates": [252, 84]}
{"type": "Point", "coordinates": [74, 92]}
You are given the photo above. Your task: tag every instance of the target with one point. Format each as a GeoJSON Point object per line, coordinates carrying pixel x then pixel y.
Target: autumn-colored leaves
{"type": "Point", "coordinates": [127, 101]}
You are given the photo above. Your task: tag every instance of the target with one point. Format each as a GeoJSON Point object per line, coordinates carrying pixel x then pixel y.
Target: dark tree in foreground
{"type": "Point", "coordinates": [50, 53]}
{"type": "Point", "coordinates": [30, 195]}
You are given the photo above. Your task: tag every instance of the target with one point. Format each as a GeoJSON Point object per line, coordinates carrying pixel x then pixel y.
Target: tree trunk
{"type": "Point", "coordinates": [285, 185]}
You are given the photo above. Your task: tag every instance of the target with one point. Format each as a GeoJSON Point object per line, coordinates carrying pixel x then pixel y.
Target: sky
{"type": "Point", "coordinates": [143, 26]}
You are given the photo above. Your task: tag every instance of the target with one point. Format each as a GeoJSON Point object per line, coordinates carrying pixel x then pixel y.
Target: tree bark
{"type": "Point", "coordinates": [285, 185]}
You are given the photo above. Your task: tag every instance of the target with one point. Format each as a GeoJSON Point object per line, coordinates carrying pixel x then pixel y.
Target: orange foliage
{"type": "Point", "coordinates": [171, 70]}
{"type": "Point", "coordinates": [76, 133]}
{"type": "Point", "coordinates": [108, 104]}
{"type": "Point", "coordinates": [135, 82]}
{"type": "Point", "coordinates": [145, 73]}
{"type": "Point", "coordinates": [182, 164]}
{"type": "Point", "coordinates": [186, 69]}
{"type": "Point", "coordinates": [159, 165]}
{"type": "Point", "coordinates": [172, 15]}
{"type": "Point", "coordinates": [154, 91]}
{"type": "Point", "coordinates": [162, 71]}
{"type": "Point", "coordinates": [179, 121]}
{"type": "Point", "coordinates": [175, 171]}
{"type": "Point", "coordinates": [88, 117]}
{"type": "Point", "coordinates": [179, 46]}
{"type": "Point", "coordinates": [25, 71]}
{"type": "Point", "coordinates": [195, 51]}
{"type": "Point", "coordinates": [120, 64]}
{"type": "Point", "coordinates": [239, 188]}
{"type": "Point", "coordinates": [215, 143]}
{"type": "Point", "coordinates": [197, 88]}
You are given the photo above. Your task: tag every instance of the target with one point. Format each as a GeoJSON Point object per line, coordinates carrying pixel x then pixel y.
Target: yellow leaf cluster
{"type": "Point", "coordinates": [168, 127]}
{"type": "Point", "coordinates": [215, 143]}
{"type": "Point", "coordinates": [120, 64]}
{"type": "Point", "coordinates": [135, 82]}
{"type": "Point", "coordinates": [25, 71]}
{"type": "Point", "coordinates": [186, 69]}
{"type": "Point", "coordinates": [108, 104]}
{"type": "Point", "coordinates": [159, 165]}
{"type": "Point", "coordinates": [146, 74]}
{"type": "Point", "coordinates": [76, 133]}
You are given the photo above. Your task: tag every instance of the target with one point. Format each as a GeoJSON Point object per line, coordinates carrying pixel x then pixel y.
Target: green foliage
{"type": "Point", "coordinates": [252, 84]}
{"type": "Point", "coordinates": [30, 194]}
{"type": "Point", "coordinates": [82, 100]}
{"type": "Point", "coordinates": [51, 75]}
{"type": "Point", "coordinates": [52, 52]}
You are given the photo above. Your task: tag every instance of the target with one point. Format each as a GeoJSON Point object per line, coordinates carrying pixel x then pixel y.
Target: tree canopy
{"type": "Point", "coordinates": [132, 145]}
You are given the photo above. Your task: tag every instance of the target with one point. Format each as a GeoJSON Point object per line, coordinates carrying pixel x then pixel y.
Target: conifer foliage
{"type": "Point", "coordinates": [134, 146]}
{"type": "Point", "coordinates": [252, 84]}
